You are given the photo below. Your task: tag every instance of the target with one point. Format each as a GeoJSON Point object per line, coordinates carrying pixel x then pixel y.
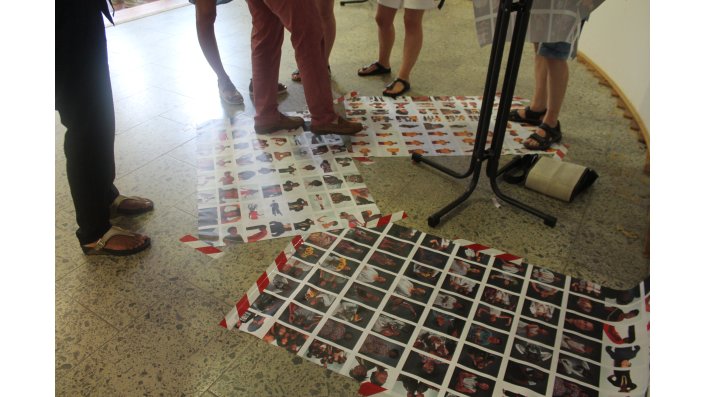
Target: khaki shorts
{"type": "Point", "coordinates": [412, 4]}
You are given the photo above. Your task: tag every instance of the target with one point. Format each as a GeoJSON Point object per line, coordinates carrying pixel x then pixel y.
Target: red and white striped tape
{"type": "Point", "coordinates": [488, 251]}
{"type": "Point", "coordinates": [397, 216]}
{"type": "Point", "coordinates": [201, 247]}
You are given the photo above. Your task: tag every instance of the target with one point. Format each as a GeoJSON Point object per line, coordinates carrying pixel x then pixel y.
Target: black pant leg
{"type": "Point", "coordinates": [85, 103]}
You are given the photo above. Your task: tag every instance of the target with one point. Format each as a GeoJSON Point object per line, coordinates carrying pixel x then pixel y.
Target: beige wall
{"type": "Point", "coordinates": [616, 38]}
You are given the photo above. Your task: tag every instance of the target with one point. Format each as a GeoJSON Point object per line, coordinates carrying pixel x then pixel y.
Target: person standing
{"type": "Point", "coordinates": [269, 18]}
{"type": "Point", "coordinates": [84, 101]}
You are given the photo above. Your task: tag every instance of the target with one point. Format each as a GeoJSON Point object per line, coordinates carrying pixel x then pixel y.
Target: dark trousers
{"type": "Point", "coordinates": [84, 100]}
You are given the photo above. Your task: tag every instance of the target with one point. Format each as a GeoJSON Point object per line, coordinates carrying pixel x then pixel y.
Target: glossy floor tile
{"type": "Point", "coordinates": [148, 324]}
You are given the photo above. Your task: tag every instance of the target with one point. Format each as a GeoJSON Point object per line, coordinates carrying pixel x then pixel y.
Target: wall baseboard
{"type": "Point", "coordinates": [623, 103]}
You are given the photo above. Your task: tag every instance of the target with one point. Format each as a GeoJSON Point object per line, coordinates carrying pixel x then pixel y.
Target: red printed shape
{"type": "Point", "coordinates": [188, 239]}
{"type": "Point", "coordinates": [208, 250]}
{"type": "Point", "coordinates": [508, 257]}
{"type": "Point", "coordinates": [242, 305]}
{"type": "Point", "coordinates": [297, 241]}
{"type": "Point", "coordinates": [224, 324]}
{"type": "Point", "coordinates": [476, 247]}
{"type": "Point", "coordinates": [368, 389]}
{"type": "Point", "coordinates": [262, 282]}
{"type": "Point", "coordinates": [280, 260]}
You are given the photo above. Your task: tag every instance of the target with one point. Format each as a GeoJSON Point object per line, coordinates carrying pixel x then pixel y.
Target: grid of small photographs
{"type": "Point", "coordinates": [255, 187]}
{"type": "Point", "coordinates": [417, 314]}
{"type": "Point", "coordinates": [429, 125]}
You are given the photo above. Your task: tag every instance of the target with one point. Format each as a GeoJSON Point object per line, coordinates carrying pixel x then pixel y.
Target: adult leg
{"type": "Point", "coordinates": [307, 40]}
{"type": "Point", "coordinates": [267, 38]}
{"type": "Point", "coordinates": [385, 35]}
{"type": "Point", "coordinates": [325, 11]}
{"type": "Point", "coordinates": [85, 103]}
{"type": "Point", "coordinates": [557, 74]}
{"type": "Point", "coordinates": [413, 41]}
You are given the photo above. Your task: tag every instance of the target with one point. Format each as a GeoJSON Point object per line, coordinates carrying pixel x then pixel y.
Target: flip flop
{"type": "Point", "coordinates": [229, 94]}
{"type": "Point", "coordinates": [406, 88]}
{"type": "Point", "coordinates": [148, 205]}
{"type": "Point", "coordinates": [100, 249]}
{"type": "Point", "coordinates": [378, 69]}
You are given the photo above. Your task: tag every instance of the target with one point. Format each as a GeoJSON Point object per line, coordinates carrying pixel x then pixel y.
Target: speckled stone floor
{"type": "Point", "coordinates": [148, 325]}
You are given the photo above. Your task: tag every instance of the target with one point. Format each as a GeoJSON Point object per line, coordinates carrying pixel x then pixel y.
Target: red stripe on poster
{"type": "Point", "coordinates": [508, 257]}
{"type": "Point", "coordinates": [262, 282]}
{"type": "Point", "coordinates": [224, 324]}
{"type": "Point", "coordinates": [188, 239]}
{"type": "Point", "coordinates": [477, 247]}
{"type": "Point", "coordinates": [242, 305]}
{"type": "Point", "coordinates": [208, 250]}
{"type": "Point", "coordinates": [368, 389]}
{"type": "Point", "coordinates": [297, 241]}
{"type": "Point", "coordinates": [280, 260]}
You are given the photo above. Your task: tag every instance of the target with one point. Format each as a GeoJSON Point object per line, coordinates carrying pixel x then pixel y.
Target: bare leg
{"type": "Point", "coordinates": [385, 34]}
{"type": "Point", "coordinates": [539, 99]}
{"type": "Point", "coordinates": [413, 41]}
{"type": "Point", "coordinates": [557, 85]}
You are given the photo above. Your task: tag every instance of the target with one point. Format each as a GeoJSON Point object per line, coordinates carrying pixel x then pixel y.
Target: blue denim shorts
{"type": "Point", "coordinates": [559, 50]}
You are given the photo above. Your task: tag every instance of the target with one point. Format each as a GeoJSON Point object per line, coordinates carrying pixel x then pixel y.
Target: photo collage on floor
{"type": "Point", "coordinates": [430, 125]}
{"type": "Point", "coordinates": [411, 313]}
{"type": "Point", "coordinates": [255, 187]}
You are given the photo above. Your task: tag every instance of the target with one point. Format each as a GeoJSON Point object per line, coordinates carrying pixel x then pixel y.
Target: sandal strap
{"type": "Point", "coordinates": [120, 198]}
{"type": "Point", "coordinates": [540, 139]}
{"type": "Point", "coordinates": [552, 132]}
{"type": "Point", "coordinates": [530, 114]}
{"type": "Point", "coordinates": [112, 232]}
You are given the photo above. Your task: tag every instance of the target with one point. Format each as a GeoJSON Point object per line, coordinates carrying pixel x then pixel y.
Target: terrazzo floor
{"type": "Point", "coordinates": [148, 324]}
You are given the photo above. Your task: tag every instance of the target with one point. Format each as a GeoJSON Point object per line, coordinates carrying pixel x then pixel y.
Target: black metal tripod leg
{"type": "Point", "coordinates": [418, 158]}
{"type": "Point", "coordinates": [435, 219]}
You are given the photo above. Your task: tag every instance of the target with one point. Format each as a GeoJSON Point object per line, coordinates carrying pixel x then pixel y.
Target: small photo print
{"type": "Point", "coordinates": [583, 325]}
{"type": "Point", "coordinates": [290, 186]}
{"type": "Point", "coordinates": [298, 205]}
{"type": "Point", "coordinates": [319, 201]}
{"type": "Point", "coordinates": [581, 346]}
{"type": "Point", "coordinates": [386, 261]}
{"type": "Point", "coordinates": [281, 285]}
{"type": "Point", "coordinates": [256, 233]}
{"type": "Point", "coordinates": [452, 304]}
{"type": "Point", "coordinates": [425, 367]}
{"type": "Point", "coordinates": [404, 233]}
{"type": "Point", "coordinates": [365, 371]}
{"type": "Point", "coordinates": [381, 350]}
{"type": "Point", "coordinates": [308, 253]}
{"type": "Point", "coordinates": [525, 376]}
{"type": "Point", "coordinates": [535, 331]}
{"type": "Point", "coordinates": [425, 274]}
{"type": "Point", "coordinates": [364, 294]}
{"type": "Point", "coordinates": [587, 288]}
{"type": "Point", "coordinates": [253, 325]}
{"type": "Point", "coordinates": [548, 277]}
{"type": "Point", "coordinates": [328, 281]}
{"type": "Point", "coordinates": [277, 228]}
{"type": "Point", "coordinates": [341, 199]}
{"type": "Point", "coordinates": [480, 360]}
{"type": "Point", "coordinates": [466, 269]}
{"type": "Point", "coordinates": [354, 180]}
{"type": "Point", "coordinates": [362, 236]}
{"type": "Point", "coordinates": [393, 328]}
{"type": "Point", "coordinates": [353, 313]}
{"type": "Point", "coordinates": [500, 298]}
{"type": "Point", "coordinates": [438, 243]}
{"type": "Point", "coordinates": [435, 344]}
{"type": "Point", "coordinates": [295, 268]}
{"type": "Point", "coordinates": [314, 298]}
{"type": "Point", "coordinates": [313, 184]}
{"type": "Point", "coordinates": [231, 235]}
{"type": "Point", "coordinates": [545, 293]}
{"type": "Point", "coordinates": [285, 337]}
{"type": "Point", "coordinates": [460, 286]}
{"type": "Point", "coordinates": [494, 317]}
{"type": "Point", "coordinates": [472, 255]}
{"type": "Point", "coordinates": [339, 333]}
{"type": "Point", "coordinates": [566, 388]}
{"type": "Point", "coordinates": [408, 289]}
{"type": "Point", "coordinates": [413, 387]}
{"type": "Point", "coordinates": [329, 356]}
{"type": "Point", "coordinates": [510, 267]}
{"type": "Point", "coordinates": [362, 196]}
{"type": "Point", "coordinates": [444, 323]}
{"type": "Point", "coordinates": [484, 337]}
{"type": "Point", "coordinates": [375, 277]}
{"type": "Point", "coordinates": [320, 239]}
{"type": "Point", "coordinates": [351, 249]}
{"type": "Point", "coordinates": [395, 246]}
{"type": "Point", "coordinates": [578, 369]}
{"type": "Point", "coordinates": [431, 258]}
{"type": "Point", "coordinates": [403, 308]}
{"type": "Point", "coordinates": [209, 216]}
{"type": "Point", "coordinates": [267, 304]}
{"type": "Point", "coordinates": [538, 310]}
{"type": "Point", "coordinates": [300, 317]}
{"type": "Point", "coordinates": [471, 384]}
{"type": "Point", "coordinates": [339, 264]}
{"type": "Point", "coordinates": [532, 353]}
{"type": "Point", "coordinates": [505, 281]}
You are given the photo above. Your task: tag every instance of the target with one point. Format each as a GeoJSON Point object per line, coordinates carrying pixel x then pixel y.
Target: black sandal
{"type": "Point", "coordinates": [553, 135]}
{"type": "Point", "coordinates": [531, 117]}
{"type": "Point", "coordinates": [378, 69]}
{"type": "Point", "coordinates": [406, 88]}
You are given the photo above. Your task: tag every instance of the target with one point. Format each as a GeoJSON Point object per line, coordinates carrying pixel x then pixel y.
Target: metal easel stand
{"type": "Point", "coordinates": [479, 154]}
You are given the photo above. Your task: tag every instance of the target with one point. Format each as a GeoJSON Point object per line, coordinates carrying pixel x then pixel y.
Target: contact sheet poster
{"type": "Point", "coordinates": [410, 313]}
{"type": "Point", "coordinates": [255, 187]}
{"type": "Point", "coordinates": [429, 125]}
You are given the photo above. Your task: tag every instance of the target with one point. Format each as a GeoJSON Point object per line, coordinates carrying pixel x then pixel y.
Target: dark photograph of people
{"type": "Point", "coordinates": [425, 367]}
{"type": "Point", "coordinates": [583, 325]}
{"type": "Point", "coordinates": [408, 289]}
{"type": "Point", "coordinates": [281, 285]}
{"type": "Point", "coordinates": [414, 387]}
{"type": "Point", "coordinates": [381, 350]}
{"type": "Point", "coordinates": [323, 240]}
{"type": "Point", "coordinates": [587, 288]}
{"type": "Point", "coordinates": [471, 384]}
{"type": "Point", "coordinates": [300, 317]}
{"type": "Point", "coordinates": [480, 360]}
{"type": "Point", "coordinates": [364, 294]}
{"type": "Point", "coordinates": [403, 308]}
{"type": "Point", "coordinates": [494, 317]}
{"type": "Point", "coordinates": [395, 246]}
{"type": "Point", "coordinates": [536, 331]}
{"type": "Point", "coordinates": [467, 269]}
{"type": "Point", "coordinates": [350, 249]}
{"type": "Point", "coordinates": [339, 264]}
{"type": "Point", "coordinates": [362, 236]}
{"type": "Point", "coordinates": [438, 243]}
{"type": "Point", "coordinates": [267, 304]}
{"type": "Point", "coordinates": [500, 298]}
{"type": "Point", "coordinates": [353, 313]}
{"type": "Point", "coordinates": [453, 304]}
{"type": "Point", "coordinates": [548, 277]}
{"type": "Point", "coordinates": [367, 371]}
{"type": "Point", "coordinates": [473, 255]}
{"type": "Point", "coordinates": [566, 388]}
{"type": "Point", "coordinates": [294, 268]}
{"type": "Point", "coordinates": [328, 356]}
{"type": "Point", "coordinates": [545, 293]}
{"type": "Point", "coordinates": [431, 258]}
{"type": "Point", "coordinates": [372, 276]}
{"type": "Point", "coordinates": [339, 333]}
{"type": "Point", "coordinates": [285, 337]}
{"type": "Point", "coordinates": [445, 323]}
{"type": "Point", "coordinates": [581, 370]}
{"type": "Point", "coordinates": [386, 261]}
{"type": "Point", "coordinates": [581, 346]}
{"type": "Point", "coordinates": [425, 274]}
{"type": "Point", "coordinates": [529, 377]}
{"type": "Point", "coordinates": [393, 328]}
{"type": "Point", "coordinates": [460, 285]}
{"type": "Point", "coordinates": [541, 311]}
{"type": "Point", "coordinates": [532, 353]}
{"type": "Point", "coordinates": [484, 337]}
{"type": "Point", "coordinates": [517, 269]}
{"type": "Point", "coordinates": [505, 281]}
{"type": "Point", "coordinates": [435, 344]}
{"type": "Point", "coordinates": [308, 253]}
{"type": "Point", "coordinates": [404, 233]}
{"type": "Point", "coordinates": [314, 298]}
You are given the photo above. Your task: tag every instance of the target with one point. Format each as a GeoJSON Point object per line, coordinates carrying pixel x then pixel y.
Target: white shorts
{"type": "Point", "coordinates": [412, 4]}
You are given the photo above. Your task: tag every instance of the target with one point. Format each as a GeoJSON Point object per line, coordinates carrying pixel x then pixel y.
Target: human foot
{"type": "Point", "coordinates": [117, 242]}
{"type": "Point", "coordinates": [544, 137]}
{"type": "Point", "coordinates": [131, 205]}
